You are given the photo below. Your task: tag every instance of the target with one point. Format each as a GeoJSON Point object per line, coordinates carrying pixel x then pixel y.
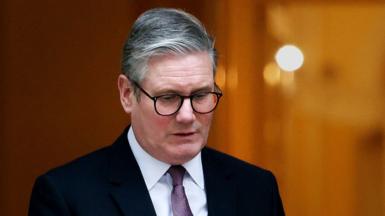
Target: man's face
{"type": "Point", "coordinates": [173, 139]}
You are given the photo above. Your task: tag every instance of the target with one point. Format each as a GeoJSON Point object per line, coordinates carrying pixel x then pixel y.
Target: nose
{"type": "Point", "coordinates": [186, 113]}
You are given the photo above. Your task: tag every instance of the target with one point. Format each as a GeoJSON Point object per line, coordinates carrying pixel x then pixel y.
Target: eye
{"type": "Point", "coordinates": [168, 98]}
{"type": "Point", "coordinates": [200, 96]}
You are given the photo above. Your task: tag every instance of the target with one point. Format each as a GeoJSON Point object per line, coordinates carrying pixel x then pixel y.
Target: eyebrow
{"type": "Point", "coordinates": [173, 91]}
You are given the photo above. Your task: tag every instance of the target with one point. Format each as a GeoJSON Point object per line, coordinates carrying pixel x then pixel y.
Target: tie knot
{"type": "Point", "coordinates": [177, 172]}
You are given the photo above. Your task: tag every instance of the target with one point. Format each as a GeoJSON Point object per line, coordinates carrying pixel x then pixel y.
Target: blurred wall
{"type": "Point", "coordinates": [331, 110]}
{"type": "Point", "coordinates": [320, 129]}
{"type": "Point", "coordinates": [60, 60]}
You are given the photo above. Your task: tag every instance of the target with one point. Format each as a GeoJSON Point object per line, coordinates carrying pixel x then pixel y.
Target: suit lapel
{"type": "Point", "coordinates": [130, 193]}
{"type": "Point", "coordinates": [129, 190]}
{"type": "Point", "coordinates": [220, 189]}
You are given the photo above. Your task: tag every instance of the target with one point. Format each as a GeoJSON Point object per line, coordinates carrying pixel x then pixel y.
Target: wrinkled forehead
{"type": "Point", "coordinates": [180, 65]}
{"type": "Point", "coordinates": [179, 73]}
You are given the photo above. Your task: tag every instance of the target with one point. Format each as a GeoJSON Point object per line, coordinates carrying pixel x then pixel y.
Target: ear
{"type": "Point", "coordinates": [126, 93]}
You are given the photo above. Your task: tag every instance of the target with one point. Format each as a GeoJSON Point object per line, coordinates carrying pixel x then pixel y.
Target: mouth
{"type": "Point", "coordinates": [184, 134]}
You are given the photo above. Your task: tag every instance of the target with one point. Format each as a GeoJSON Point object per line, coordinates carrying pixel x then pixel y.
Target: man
{"type": "Point", "coordinates": [160, 165]}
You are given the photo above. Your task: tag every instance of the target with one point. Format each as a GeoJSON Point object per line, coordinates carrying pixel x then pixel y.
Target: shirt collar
{"type": "Point", "coordinates": [153, 169]}
{"type": "Point", "coordinates": [195, 170]}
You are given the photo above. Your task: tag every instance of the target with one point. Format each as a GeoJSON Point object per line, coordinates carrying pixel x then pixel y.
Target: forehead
{"type": "Point", "coordinates": [188, 71]}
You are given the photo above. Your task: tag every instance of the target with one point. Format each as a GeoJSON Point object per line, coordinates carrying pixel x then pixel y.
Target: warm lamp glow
{"type": "Point", "coordinates": [289, 58]}
{"type": "Point", "coordinates": [272, 74]}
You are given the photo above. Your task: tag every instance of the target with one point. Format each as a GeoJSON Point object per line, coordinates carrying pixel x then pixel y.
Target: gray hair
{"type": "Point", "coordinates": [164, 31]}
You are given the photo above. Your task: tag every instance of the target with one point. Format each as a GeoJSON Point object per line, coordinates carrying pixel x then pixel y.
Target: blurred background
{"type": "Point", "coordinates": [319, 127]}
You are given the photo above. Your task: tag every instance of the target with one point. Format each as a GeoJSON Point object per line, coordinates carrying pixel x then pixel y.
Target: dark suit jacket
{"type": "Point", "coordinates": [108, 182]}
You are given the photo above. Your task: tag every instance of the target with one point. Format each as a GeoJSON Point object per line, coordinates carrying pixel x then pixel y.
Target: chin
{"type": "Point", "coordinates": [185, 152]}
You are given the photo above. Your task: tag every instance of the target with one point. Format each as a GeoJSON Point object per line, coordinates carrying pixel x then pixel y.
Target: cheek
{"type": "Point", "coordinates": [159, 124]}
{"type": "Point", "coordinates": [143, 114]}
{"type": "Point", "coordinates": [155, 124]}
{"type": "Point", "coordinates": [205, 121]}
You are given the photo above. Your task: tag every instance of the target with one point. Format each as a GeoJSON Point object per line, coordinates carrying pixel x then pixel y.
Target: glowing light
{"type": "Point", "coordinates": [272, 74]}
{"type": "Point", "coordinates": [289, 58]}
{"type": "Point", "coordinates": [220, 77]}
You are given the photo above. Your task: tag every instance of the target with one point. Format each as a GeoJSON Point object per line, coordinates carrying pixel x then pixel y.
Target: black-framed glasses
{"type": "Point", "coordinates": [170, 103]}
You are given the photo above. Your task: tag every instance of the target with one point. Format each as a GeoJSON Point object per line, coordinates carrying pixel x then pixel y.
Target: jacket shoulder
{"type": "Point", "coordinates": [256, 188]}
{"type": "Point", "coordinates": [86, 171]}
{"type": "Point", "coordinates": [236, 166]}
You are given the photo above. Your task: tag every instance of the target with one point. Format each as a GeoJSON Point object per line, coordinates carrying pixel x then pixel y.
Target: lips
{"type": "Point", "coordinates": [184, 134]}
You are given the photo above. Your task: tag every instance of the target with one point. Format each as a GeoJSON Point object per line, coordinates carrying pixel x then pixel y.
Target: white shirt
{"type": "Point", "coordinates": [159, 182]}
